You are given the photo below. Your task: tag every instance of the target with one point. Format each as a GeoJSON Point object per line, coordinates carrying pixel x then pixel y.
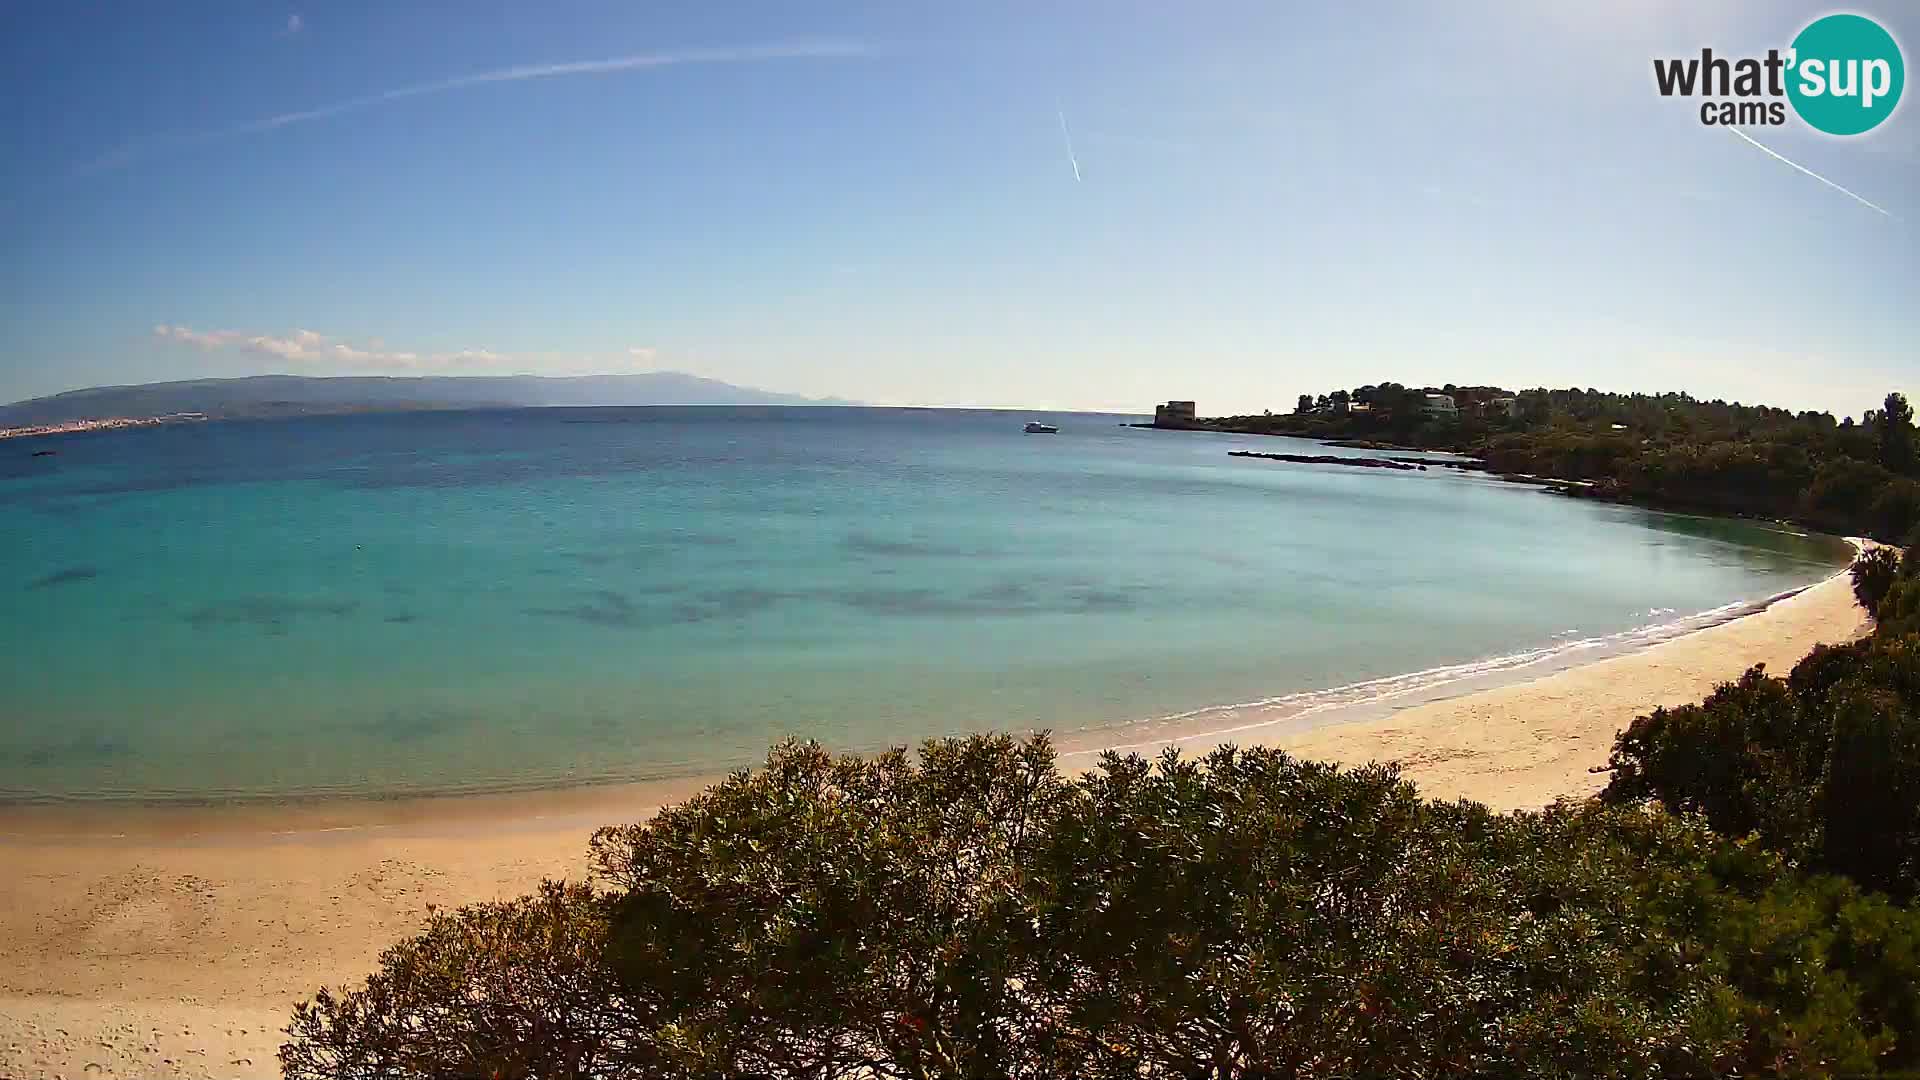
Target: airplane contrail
{"type": "Point", "coordinates": [1777, 157]}
{"type": "Point", "coordinates": [1068, 135]}
{"type": "Point", "coordinates": [140, 147]}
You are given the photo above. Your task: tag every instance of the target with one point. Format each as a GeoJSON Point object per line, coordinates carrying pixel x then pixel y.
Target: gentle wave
{"type": "Point", "coordinates": [1214, 722]}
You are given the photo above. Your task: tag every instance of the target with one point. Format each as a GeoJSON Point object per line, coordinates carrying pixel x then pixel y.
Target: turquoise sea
{"type": "Point", "coordinates": [467, 601]}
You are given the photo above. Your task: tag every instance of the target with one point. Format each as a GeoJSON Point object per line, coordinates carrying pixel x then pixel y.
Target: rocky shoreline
{"type": "Point", "coordinates": [68, 427]}
{"type": "Point", "coordinates": [1332, 459]}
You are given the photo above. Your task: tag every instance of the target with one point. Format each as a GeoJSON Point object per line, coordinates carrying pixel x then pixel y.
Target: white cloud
{"type": "Point", "coordinates": [311, 346]}
{"type": "Point", "coordinates": [286, 348]}
{"type": "Point", "coordinates": [473, 356]}
{"type": "Point", "coordinates": [205, 339]}
{"type": "Point", "coordinates": [295, 24]}
{"type": "Point", "coordinates": [643, 353]}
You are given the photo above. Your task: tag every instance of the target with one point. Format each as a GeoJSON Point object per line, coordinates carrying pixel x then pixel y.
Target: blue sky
{"type": "Point", "coordinates": [875, 200]}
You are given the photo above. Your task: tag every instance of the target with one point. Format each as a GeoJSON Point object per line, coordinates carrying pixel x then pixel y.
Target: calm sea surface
{"type": "Point", "coordinates": [492, 600]}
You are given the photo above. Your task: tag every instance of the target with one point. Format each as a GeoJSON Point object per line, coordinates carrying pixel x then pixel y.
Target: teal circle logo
{"type": "Point", "coordinates": [1846, 74]}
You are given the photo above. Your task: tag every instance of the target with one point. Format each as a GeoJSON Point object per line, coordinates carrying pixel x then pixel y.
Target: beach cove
{"type": "Point", "coordinates": [272, 702]}
{"type": "Point", "coordinates": [521, 600]}
{"type": "Point", "coordinates": [176, 943]}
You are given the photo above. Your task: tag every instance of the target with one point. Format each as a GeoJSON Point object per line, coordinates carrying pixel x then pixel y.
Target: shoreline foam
{"type": "Point", "coordinates": [179, 950]}
{"type": "Point", "coordinates": [1294, 714]}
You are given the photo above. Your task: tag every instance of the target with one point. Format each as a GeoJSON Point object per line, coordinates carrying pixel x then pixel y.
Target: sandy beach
{"type": "Point", "coordinates": [174, 943]}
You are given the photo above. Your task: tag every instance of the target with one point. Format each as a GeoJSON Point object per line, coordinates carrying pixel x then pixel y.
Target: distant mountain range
{"type": "Point", "coordinates": [295, 395]}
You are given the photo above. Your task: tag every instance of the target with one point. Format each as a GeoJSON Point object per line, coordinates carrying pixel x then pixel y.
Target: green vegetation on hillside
{"type": "Point", "coordinates": [1668, 450]}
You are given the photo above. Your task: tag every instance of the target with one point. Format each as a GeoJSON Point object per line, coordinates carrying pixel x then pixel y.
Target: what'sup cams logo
{"type": "Point", "coordinates": [1843, 75]}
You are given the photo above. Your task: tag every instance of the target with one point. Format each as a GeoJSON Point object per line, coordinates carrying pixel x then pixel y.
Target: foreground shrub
{"type": "Point", "coordinates": [1873, 573]}
{"type": "Point", "coordinates": [510, 990]}
{"type": "Point", "coordinates": [976, 914]}
{"type": "Point", "coordinates": [1746, 758]}
{"type": "Point", "coordinates": [1823, 767]}
{"type": "Point", "coordinates": [832, 914]}
{"type": "Point", "coordinates": [1899, 611]}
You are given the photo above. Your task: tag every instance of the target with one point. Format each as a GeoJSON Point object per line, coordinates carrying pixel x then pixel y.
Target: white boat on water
{"type": "Point", "coordinates": [1035, 427]}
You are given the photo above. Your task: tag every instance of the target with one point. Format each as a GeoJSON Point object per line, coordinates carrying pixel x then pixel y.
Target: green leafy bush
{"type": "Point", "coordinates": [1899, 611]}
{"type": "Point", "coordinates": [1823, 766]}
{"type": "Point", "coordinates": [974, 913]}
{"type": "Point", "coordinates": [1873, 573]}
{"type": "Point", "coordinates": [511, 990]}
{"type": "Point", "coordinates": [1747, 759]}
